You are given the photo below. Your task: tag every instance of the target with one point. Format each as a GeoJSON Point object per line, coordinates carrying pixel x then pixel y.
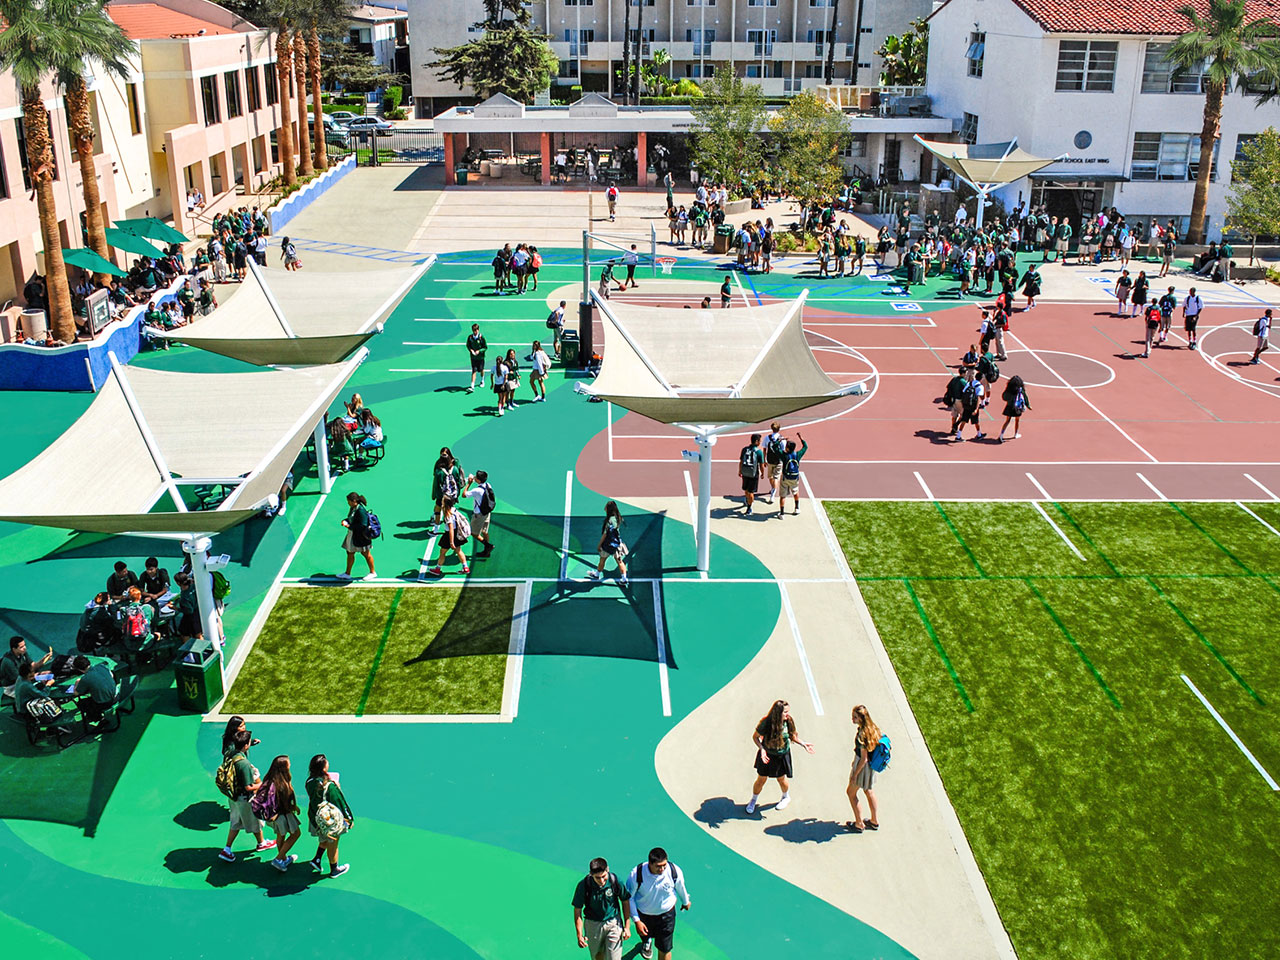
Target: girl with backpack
{"type": "Point", "coordinates": [447, 479]}
{"type": "Point", "coordinates": [359, 537]}
{"type": "Point", "coordinates": [861, 775]}
{"type": "Point", "coordinates": [611, 544]}
{"type": "Point", "coordinates": [454, 533]}
{"type": "Point", "coordinates": [1015, 405]}
{"type": "Point", "coordinates": [773, 737]}
{"type": "Point", "coordinates": [276, 804]}
{"type": "Point", "coordinates": [328, 814]}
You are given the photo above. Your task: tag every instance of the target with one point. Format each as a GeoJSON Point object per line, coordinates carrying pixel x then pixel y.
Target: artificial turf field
{"type": "Point", "coordinates": [1110, 813]}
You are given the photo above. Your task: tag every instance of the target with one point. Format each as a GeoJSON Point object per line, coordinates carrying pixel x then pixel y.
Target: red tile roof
{"type": "Point", "coordinates": [151, 21]}
{"type": "Point", "coordinates": [1127, 16]}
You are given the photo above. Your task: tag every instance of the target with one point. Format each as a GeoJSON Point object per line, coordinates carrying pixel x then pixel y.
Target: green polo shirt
{"type": "Point", "coordinates": [600, 903]}
{"type": "Point", "coordinates": [25, 692]}
{"type": "Point", "coordinates": [9, 664]}
{"type": "Point", "coordinates": [244, 774]}
{"type": "Point", "coordinates": [98, 683]}
{"type": "Point", "coordinates": [762, 732]}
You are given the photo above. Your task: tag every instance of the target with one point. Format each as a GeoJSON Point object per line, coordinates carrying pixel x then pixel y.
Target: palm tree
{"type": "Point", "coordinates": [284, 72]}
{"type": "Point", "coordinates": [36, 43]}
{"type": "Point", "coordinates": [306, 168]}
{"type": "Point", "coordinates": [635, 89]}
{"type": "Point", "coordinates": [1229, 49]}
{"type": "Point", "coordinates": [99, 40]}
{"type": "Point", "coordinates": [626, 50]}
{"type": "Point", "coordinates": [829, 73]}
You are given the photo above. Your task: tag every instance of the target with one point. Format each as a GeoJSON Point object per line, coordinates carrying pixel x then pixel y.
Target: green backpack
{"type": "Point", "coordinates": [221, 586]}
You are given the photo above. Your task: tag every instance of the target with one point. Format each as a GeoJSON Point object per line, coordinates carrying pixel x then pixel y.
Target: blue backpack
{"type": "Point", "coordinates": [791, 467]}
{"type": "Point", "coordinates": [375, 526]}
{"type": "Point", "coordinates": [879, 759]}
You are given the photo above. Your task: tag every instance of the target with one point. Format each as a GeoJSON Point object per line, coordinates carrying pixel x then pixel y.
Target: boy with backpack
{"type": "Point", "coordinates": [775, 449]}
{"type": "Point", "coordinates": [655, 887]}
{"type": "Point", "coordinates": [612, 196]}
{"type": "Point", "coordinates": [1261, 330]}
{"type": "Point", "coordinates": [750, 465]}
{"type": "Point", "coordinates": [601, 912]}
{"type": "Point", "coordinates": [790, 483]}
{"type": "Point", "coordinates": [238, 780]}
{"type": "Point", "coordinates": [483, 503]}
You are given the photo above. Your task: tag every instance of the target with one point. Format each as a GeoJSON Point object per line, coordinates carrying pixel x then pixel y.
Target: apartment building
{"type": "Point", "coordinates": [781, 44]}
{"type": "Point", "coordinates": [1091, 82]}
{"type": "Point", "coordinates": [382, 32]}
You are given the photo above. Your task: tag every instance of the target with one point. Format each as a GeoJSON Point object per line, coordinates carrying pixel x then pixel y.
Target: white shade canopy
{"type": "Point", "coordinates": [986, 165]}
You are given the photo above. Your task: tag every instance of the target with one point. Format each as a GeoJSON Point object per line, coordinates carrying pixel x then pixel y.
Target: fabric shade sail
{"type": "Point", "coordinates": [290, 318]}
{"type": "Point", "coordinates": [132, 243]}
{"type": "Point", "coordinates": [86, 259]}
{"type": "Point", "coordinates": [708, 368]}
{"type": "Point", "coordinates": [986, 164]}
{"type": "Point", "coordinates": [152, 228]}
{"type": "Point", "coordinates": [121, 467]}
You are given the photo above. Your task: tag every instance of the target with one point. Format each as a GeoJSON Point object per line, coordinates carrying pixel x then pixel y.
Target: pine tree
{"type": "Point", "coordinates": [510, 57]}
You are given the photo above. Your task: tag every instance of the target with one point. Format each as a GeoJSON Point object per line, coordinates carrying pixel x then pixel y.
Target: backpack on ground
{"type": "Point", "coordinates": [748, 465]}
{"type": "Point", "coordinates": [775, 450]}
{"type": "Point", "coordinates": [675, 874]}
{"type": "Point", "coordinates": [791, 467]}
{"type": "Point", "coordinates": [375, 525]}
{"type": "Point", "coordinates": [221, 586]}
{"type": "Point", "coordinates": [879, 759]}
{"type": "Point", "coordinates": [225, 778]}
{"type": "Point", "coordinates": [488, 499]}
{"type": "Point", "coordinates": [44, 709]}
{"type": "Point", "coordinates": [135, 623]}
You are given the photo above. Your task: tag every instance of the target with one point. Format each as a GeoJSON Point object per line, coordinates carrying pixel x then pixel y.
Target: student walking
{"type": "Point", "coordinates": [655, 888]}
{"type": "Point", "coordinates": [539, 367]}
{"type": "Point", "coordinates": [789, 485]}
{"type": "Point", "coordinates": [1261, 330]}
{"type": "Point", "coordinates": [239, 780]}
{"type": "Point", "coordinates": [971, 406]}
{"type": "Point", "coordinates": [513, 378]}
{"type": "Point", "coordinates": [773, 737]}
{"type": "Point", "coordinates": [289, 255]}
{"type": "Point", "coordinates": [1124, 286]}
{"type": "Point", "coordinates": [1031, 286]}
{"type": "Point", "coordinates": [612, 196]}
{"type": "Point", "coordinates": [275, 804]}
{"type": "Point", "coordinates": [1168, 243]}
{"type": "Point", "coordinates": [476, 347]}
{"type": "Point", "coordinates": [606, 278]}
{"type": "Point", "coordinates": [498, 377]}
{"type": "Point", "coordinates": [1015, 405]}
{"type": "Point", "coordinates": [1192, 307]}
{"type": "Point", "coordinates": [861, 775]}
{"type": "Point", "coordinates": [630, 258]}
{"type": "Point", "coordinates": [953, 398]}
{"type": "Point", "coordinates": [328, 814]}
{"type": "Point", "coordinates": [601, 912]}
{"type": "Point", "coordinates": [726, 293]}
{"type": "Point", "coordinates": [1141, 286]}
{"type": "Point", "coordinates": [1151, 320]}
{"type": "Point", "coordinates": [611, 544]}
{"type": "Point", "coordinates": [447, 480]}
{"type": "Point", "coordinates": [484, 500]}
{"type": "Point", "coordinates": [1167, 305]}
{"type": "Point", "coordinates": [775, 448]}
{"type": "Point", "coordinates": [359, 536]}
{"type": "Point", "coordinates": [750, 466]}
{"type": "Point", "coordinates": [454, 533]}
{"type": "Point", "coordinates": [555, 323]}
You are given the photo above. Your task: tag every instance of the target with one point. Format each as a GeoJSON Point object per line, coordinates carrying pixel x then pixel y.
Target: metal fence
{"type": "Point", "coordinates": [397, 145]}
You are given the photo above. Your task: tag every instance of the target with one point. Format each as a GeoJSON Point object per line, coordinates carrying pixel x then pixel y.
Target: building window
{"type": "Point", "coordinates": [271, 82]}
{"type": "Point", "coordinates": [698, 70]}
{"type": "Point", "coordinates": [969, 128]}
{"type": "Point", "coordinates": [975, 53]}
{"type": "Point", "coordinates": [209, 94]}
{"type": "Point", "coordinates": [700, 3]}
{"type": "Point", "coordinates": [1168, 156]}
{"type": "Point", "coordinates": [579, 41]}
{"type": "Point", "coordinates": [23, 160]}
{"type": "Point", "coordinates": [701, 40]}
{"type": "Point", "coordinates": [579, 3]}
{"type": "Point", "coordinates": [1159, 75]}
{"type": "Point", "coordinates": [135, 114]}
{"type": "Point", "coordinates": [252, 92]}
{"type": "Point", "coordinates": [568, 70]}
{"type": "Point", "coordinates": [649, 35]}
{"type": "Point", "coordinates": [820, 3]}
{"type": "Point", "coordinates": [4, 178]}
{"type": "Point", "coordinates": [231, 81]}
{"type": "Point", "coordinates": [647, 3]}
{"type": "Point", "coordinates": [763, 41]}
{"type": "Point", "coordinates": [812, 71]}
{"type": "Point", "coordinates": [819, 40]}
{"type": "Point", "coordinates": [762, 3]}
{"type": "Point", "coordinates": [856, 148]}
{"type": "Point", "coordinates": [773, 68]}
{"type": "Point", "coordinates": [1239, 163]}
{"type": "Point", "coordinates": [1086, 66]}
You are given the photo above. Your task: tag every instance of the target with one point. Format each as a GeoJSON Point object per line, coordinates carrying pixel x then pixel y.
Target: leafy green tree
{"type": "Point", "coordinates": [37, 42]}
{"type": "Point", "coordinates": [811, 132]}
{"type": "Point", "coordinates": [343, 65]}
{"type": "Point", "coordinates": [905, 57]}
{"type": "Point", "coordinates": [1230, 49]}
{"type": "Point", "coordinates": [511, 57]}
{"type": "Point", "coordinates": [1253, 203]}
{"type": "Point", "coordinates": [727, 145]}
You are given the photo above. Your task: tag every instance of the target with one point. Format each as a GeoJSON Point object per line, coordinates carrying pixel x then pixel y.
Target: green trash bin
{"type": "Point", "coordinates": [198, 671]}
{"type": "Point", "coordinates": [461, 174]}
{"type": "Point", "coordinates": [569, 348]}
{"type": "Point", "coordinates": [724, 239]}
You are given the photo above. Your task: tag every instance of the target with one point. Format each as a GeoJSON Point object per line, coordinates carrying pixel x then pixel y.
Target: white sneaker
{"type": "Point", "coordinates": [593, 574]}
{"type": "Point", "coordinates": [345, 576]}
{"type": "Point", "coordinates": [751, 805]}
{"type": "Point", "coordinates": [646, 949]}
{"type": "Point", "coordinates": [370, 576]}
{"type": "Point", "coordinates": [783, 803]}
{"type": "Point", "coordinates": [280, 512]}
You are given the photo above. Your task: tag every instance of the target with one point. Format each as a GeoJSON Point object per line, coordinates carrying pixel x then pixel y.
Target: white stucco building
{"type": "Point", "coordinates": [1089, 80]}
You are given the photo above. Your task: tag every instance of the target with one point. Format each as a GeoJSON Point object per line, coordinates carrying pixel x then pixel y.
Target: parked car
{"type": "Point", "coordinates": [342, 116]}
{"type": "Point", "coordinates": [369, 124]}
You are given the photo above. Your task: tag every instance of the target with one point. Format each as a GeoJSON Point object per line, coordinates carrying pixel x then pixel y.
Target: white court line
{"type": "Point", "coordinates": [660, 636]}
{"type": "Point", "coordinates": [515, 651]}
{"type": "Point", "coordinates": [1087, 401]}
{"type": "Point", "coordinates": [1258, 518]}
{"type": "Point", "coordinates": [741, 289]}
{"type": "Point", "coordinates": [460, 343]}
{"type": "Point", "coordinates": [568, 515]}
{"type": "Point", "coordinates": [425, 563]}
{"type": "Point", "coordinates": [328, 582]}
{"type": "Point", "coordinates": [1154, 488]}
{"type": "Point", "coordinates": [952, 465]}
{"type": "Point", "coordinates": [348, 719]}
{"type": "Point", "coordinates": [264, 609]}
{"type": "Point", "coordinates": [608, 425]}
{"type": "Point", "coordinates": [429, 370]}
{"type": "Point", "coordinates": [928, 494]}
{"type": "Point", "coordinates": [804, 657]}
{"type": "Point", "coordinates": [1043, 492]}
{"type": "Point", "coordinates": [1231, 733]}
{"type": "Point", "coordinates": [1057, 529]}
{"type": "Point", "coordinates": [1261, 487]}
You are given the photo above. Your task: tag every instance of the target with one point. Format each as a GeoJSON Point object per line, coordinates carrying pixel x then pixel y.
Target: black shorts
{"type": "Point", "coordinates": [477, 363]}
{"type": "Point", "coordinates": [662, 929]}
{"type": "Point", "coordinates": [1190, 322]}
{"type": "Point", "coordinates": [750, 484]}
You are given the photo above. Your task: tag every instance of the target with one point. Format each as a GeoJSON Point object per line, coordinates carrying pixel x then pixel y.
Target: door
{"type": "Point", "coordinates": [892, 160]}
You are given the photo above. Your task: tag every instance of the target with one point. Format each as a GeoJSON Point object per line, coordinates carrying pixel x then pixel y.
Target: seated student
{"type": "Point", "coordinates": [135, 620]}
{"type": "Point", "coordinates": [340, 450]}
{"type": "Point", "coordinates": [11, 663]}
{"type": "Point", "coordinates": [188, 607]}
{"type": "Point", "coordinates": [118, 583]}
{"type": "Point", "coordinates": [354, 406]}
{"type": "Point", "coordinates": [28, 688]}
{"type": "Point", "coordinates": [371, 426]}
{"type": "Point", "coordinates": [95, 690]}
{"type": "Point", "coordinates": [98, 625]}
{"type": "Point", "coordinates": [154, 583]}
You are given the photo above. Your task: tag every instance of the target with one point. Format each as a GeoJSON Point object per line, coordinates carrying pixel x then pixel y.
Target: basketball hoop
{"type": "Point", "coordinates": [666, 263]}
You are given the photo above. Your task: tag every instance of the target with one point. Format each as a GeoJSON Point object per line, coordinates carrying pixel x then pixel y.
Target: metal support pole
{"type": "Point", "coordinates": [210, 621]}
{"type": "Point", "coordinates": [322, 458]}
{"type": "Point", "coordinates": [705, 443]}
{"type": "Point", "coordinates": [585, 332]}
{"type": "Point", "coordinates": [982, 202]}
{"type": "Point", "coordinates": [653, 250]}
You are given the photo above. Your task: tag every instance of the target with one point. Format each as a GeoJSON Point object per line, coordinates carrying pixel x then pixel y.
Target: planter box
{"type": "Point", "coordinates": [735, 207]}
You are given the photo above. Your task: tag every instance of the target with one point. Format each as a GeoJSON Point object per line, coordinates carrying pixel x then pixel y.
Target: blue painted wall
{"type": "Point", "coordinates": [290, 208]}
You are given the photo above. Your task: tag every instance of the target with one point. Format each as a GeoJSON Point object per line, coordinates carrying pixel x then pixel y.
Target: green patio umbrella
{"type": "Point", "coordinates": [86, 259]}
{"type": "Point", "coordinates": [152, 228]}
{"type": "Point", "coordinates": [132, 243]}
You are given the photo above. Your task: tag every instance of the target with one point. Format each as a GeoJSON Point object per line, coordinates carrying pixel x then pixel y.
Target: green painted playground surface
{"type": "Point", "coordinates": [1109, 812]}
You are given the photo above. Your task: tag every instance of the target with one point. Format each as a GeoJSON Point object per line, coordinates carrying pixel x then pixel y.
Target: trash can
{"type": "Point", "coordinates": [461, 174]}
{"type": "Point", "coordinates": [495, 170]}
{"type": "Point", "coordinates": [569, 348]}
{"type": "Point", "coordinates": [198, 671]}
{"type": "Point", "coordinates": [724, 238]}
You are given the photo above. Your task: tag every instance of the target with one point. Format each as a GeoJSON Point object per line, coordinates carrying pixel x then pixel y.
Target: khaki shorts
{"type": "Point", "coordinates": [480, 524]}
{"type": "Point", "coordinates": [1061, 245]}
{"type": "Point", "coordinates": [788, 488]}
{"type": "Point", "coordinates": [243, 818]}
{"type": "Point", "coordinates": [604, 939]}
{"type": "Point", "coordinates": [775, 471]}
{"type": "Point", "coordinates": [286, 824]}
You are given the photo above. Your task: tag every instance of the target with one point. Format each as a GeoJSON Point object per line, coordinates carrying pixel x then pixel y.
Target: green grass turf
{"type": "Point", "coordinates": [1110, 814]}
{"type": "Point", "coordinates": [392, 650]}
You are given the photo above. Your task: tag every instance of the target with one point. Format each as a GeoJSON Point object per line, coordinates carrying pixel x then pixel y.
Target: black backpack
{"type": "Point", "coordinates": [489, 500]}
{"type": "Point", "coordinates": [675, 874]}
{"type": "Point", "coordinates": [774, 451]}
{"type": "Point", "coordinates": [748, 465]}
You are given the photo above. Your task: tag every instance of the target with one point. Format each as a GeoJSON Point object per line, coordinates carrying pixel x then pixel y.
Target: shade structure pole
{"type": "Point", "coordinates": [705, 443]}
{"type": "Point", "coordinates": [322, 458]}
{"type": "Point", "coordinates": [586, 346]}
{"type": "Point", "coordinates": [197, 549]}
{"type": "Point", "coordinates": [982, 202]}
